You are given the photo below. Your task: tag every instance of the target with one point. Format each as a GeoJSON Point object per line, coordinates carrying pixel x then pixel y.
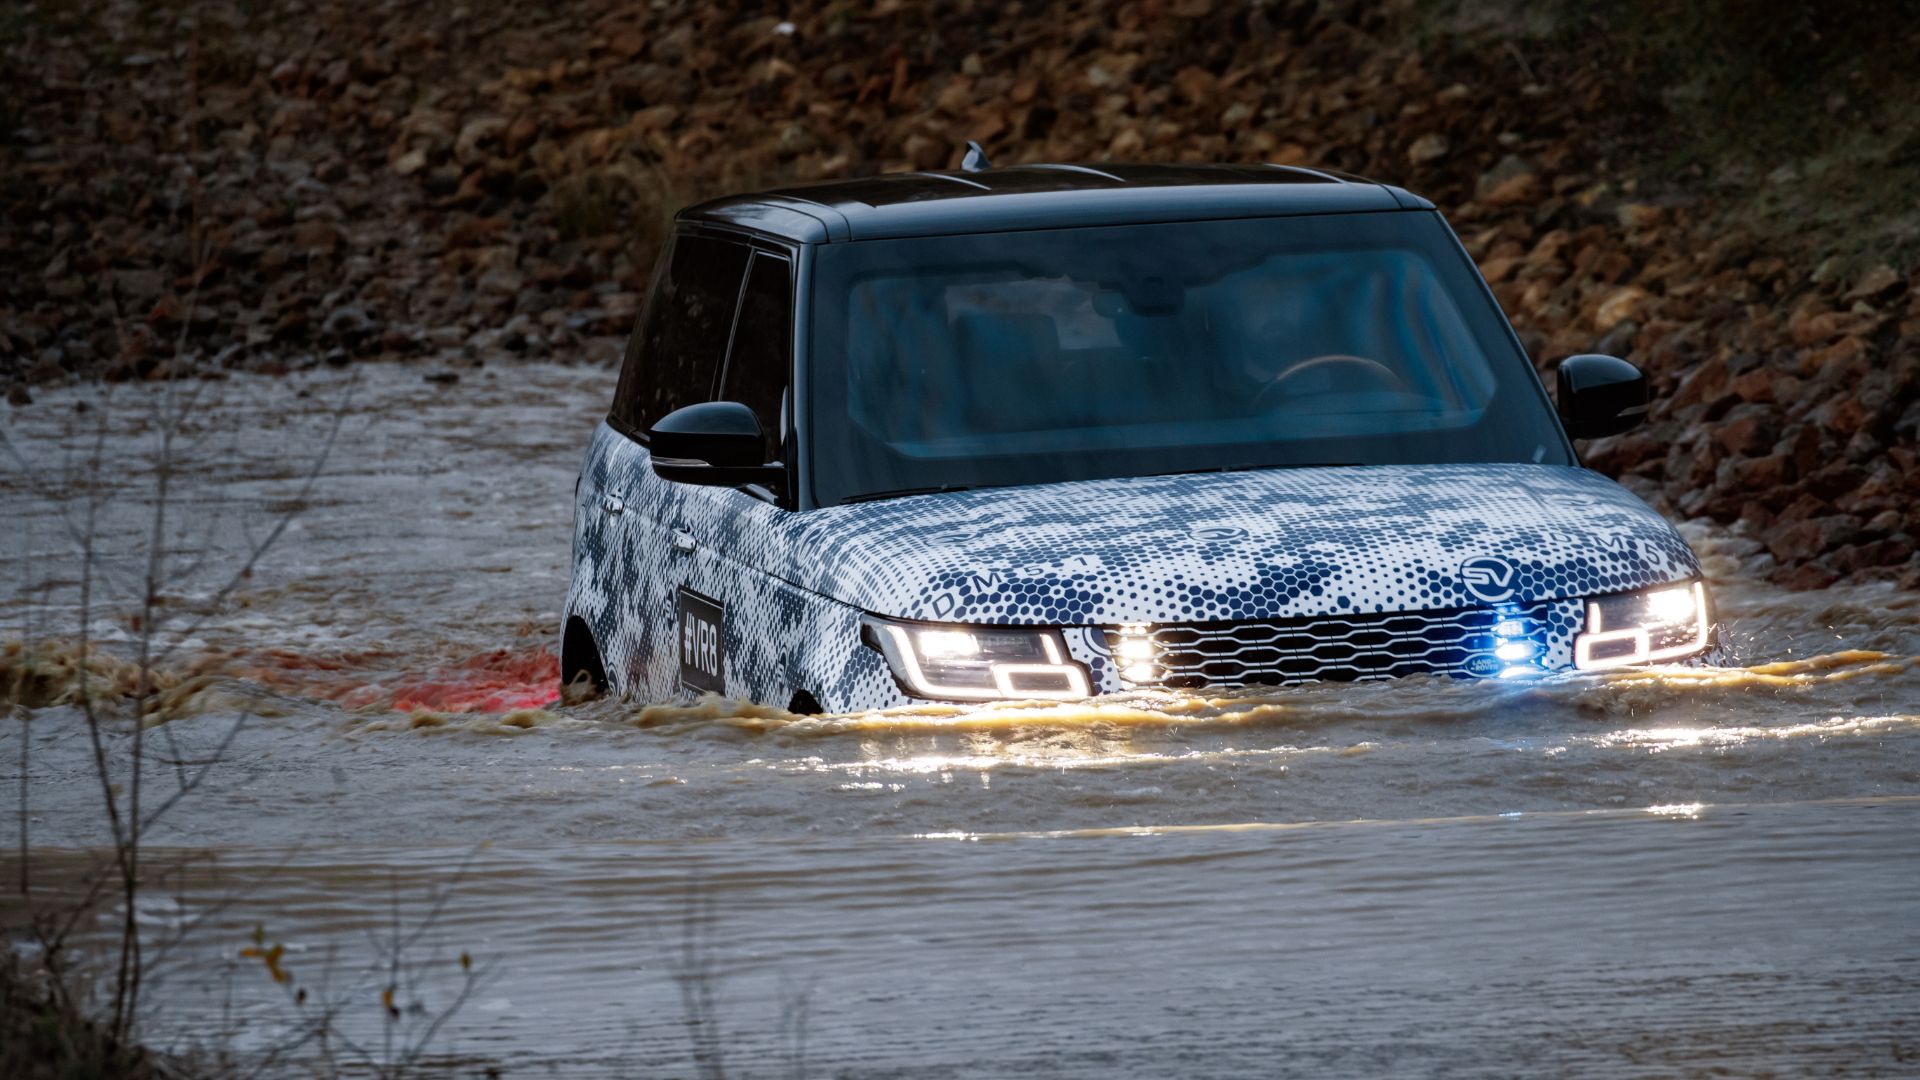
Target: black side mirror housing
{"type": "Point", "coordinates": [1600, 395]}
{"type": "Point", "coordinates": [713, 443]}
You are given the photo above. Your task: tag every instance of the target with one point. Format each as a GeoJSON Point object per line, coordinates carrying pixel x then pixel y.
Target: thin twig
{"type": "Point", "coordinates": [190, 784]}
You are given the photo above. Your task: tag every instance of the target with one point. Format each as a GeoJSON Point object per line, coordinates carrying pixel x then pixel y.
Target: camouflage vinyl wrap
{"type": "Point", "coordinates": [1191, 549]}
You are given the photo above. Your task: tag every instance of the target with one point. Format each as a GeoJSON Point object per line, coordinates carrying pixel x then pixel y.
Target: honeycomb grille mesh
{"type": "Point", "coordinates": [1341, 648]}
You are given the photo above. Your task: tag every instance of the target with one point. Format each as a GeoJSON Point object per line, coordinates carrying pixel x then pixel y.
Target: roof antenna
{"type": "Point", "coordinates": [976, 159]}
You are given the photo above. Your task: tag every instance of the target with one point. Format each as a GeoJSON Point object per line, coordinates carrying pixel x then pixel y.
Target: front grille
{"type": "Point", "coordinates": [1341, 648]}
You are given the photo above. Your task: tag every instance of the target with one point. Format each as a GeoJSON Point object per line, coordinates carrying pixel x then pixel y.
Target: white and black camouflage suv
{"type": "Point", "coordinates": [1056, 431]}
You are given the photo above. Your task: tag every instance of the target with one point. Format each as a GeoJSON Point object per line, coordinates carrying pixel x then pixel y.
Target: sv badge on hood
{"type": "Point", "coordinates": [1488, 577]}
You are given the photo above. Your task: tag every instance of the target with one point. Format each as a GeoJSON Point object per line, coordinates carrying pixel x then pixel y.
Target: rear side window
{"type": "Point", "coordinates": [675, 354]}
{"type": "Point", "coordinates": [757, 372]}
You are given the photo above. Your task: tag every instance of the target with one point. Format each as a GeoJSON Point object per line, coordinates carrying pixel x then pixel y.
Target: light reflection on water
{"type": "Point", "coordinates": [1658, 739]}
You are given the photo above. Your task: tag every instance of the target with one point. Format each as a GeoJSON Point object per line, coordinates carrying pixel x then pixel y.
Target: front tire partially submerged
{"type": "Point", "coordinates": [582, 673]}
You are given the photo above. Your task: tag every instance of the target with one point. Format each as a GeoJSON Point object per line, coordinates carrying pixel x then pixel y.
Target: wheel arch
{"type": "Point", "coordinates": [580, 655]}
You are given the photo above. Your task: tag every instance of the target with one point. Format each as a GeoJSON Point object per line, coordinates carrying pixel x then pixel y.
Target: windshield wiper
{"type": "Point", "coordinates": [901, 493]}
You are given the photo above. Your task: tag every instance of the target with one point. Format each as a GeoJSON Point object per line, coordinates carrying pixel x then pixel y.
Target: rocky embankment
{"type": "Point", "coordinates": [276, 184]}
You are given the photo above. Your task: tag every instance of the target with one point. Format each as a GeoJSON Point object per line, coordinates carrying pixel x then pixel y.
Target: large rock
{"type": "Point", "coordinates": [1804, 540]}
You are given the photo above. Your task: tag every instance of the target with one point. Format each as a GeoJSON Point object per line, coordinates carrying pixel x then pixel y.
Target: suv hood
{"type": "Point", "coordinates": [1238, 546]}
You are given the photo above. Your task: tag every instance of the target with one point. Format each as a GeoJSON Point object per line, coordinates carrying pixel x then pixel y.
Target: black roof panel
{"type": "Point", "coordinates": [1045, 196]}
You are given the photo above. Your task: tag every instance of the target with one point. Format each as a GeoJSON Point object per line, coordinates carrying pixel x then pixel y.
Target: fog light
{"type": "Point", "coordinates": [1514, 650]}
{"type": "Point", "coordinates": [1135, 653]}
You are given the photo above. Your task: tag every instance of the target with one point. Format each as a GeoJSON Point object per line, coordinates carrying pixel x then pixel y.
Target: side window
{"type": "Point", "coordinates": [626, 394]}
{"type": "Point", "coordinates": [674, 357]}
{"type": "Point", "coordinates": [759, 368]}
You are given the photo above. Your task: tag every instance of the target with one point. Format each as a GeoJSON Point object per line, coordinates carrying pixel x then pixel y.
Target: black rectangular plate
{"type": "Point", "coordinates": [701, 630]}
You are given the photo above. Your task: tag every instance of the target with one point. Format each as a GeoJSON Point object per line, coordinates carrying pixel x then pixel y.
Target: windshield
{"type": "Point", "coordinates": [1069, 354]}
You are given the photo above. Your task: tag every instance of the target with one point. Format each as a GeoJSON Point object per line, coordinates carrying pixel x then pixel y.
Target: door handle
{"type": "Point", "coordinates": [612, 503]}
{"type": "Point", "coordinates": [683, 542]}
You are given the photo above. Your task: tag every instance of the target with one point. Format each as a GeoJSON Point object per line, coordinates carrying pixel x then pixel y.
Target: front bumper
{"type": "Point", "coordinates": [1496, 641]}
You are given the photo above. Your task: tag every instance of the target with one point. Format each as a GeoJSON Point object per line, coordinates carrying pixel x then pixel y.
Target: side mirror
{"type": "Point", "coordinates": [715, 443]}
{"type": "Point", "coordinates": [1600, 395]}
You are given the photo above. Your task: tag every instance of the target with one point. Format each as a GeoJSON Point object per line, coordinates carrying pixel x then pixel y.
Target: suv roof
{"type": "Point", "coordinates": [1044, 196]}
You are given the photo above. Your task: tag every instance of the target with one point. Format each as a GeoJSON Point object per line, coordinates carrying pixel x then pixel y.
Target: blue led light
{"type": "Point", "coordinates": [1514, 644]}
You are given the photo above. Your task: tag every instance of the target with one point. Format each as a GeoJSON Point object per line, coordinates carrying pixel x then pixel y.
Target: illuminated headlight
{"type": "Point", "coordinates": [1135, 654]}
{"type": "Point", "coordinates": [978, 663]}
{"type": "Point", "coordinates": [1638, 628]}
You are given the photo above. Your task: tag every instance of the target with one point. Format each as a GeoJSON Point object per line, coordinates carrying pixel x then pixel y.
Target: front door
{"type": "Point", "coordinates": [724, 577]}
{"type": "Point", "coordinates": [674, 359]}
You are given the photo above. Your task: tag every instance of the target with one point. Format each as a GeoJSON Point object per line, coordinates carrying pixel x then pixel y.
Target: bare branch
{"type": "Point", "coordinates": [189, 783]}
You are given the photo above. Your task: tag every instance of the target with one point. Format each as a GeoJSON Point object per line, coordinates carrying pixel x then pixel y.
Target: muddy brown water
{"type": "Point", "coordinates": [1666, 873]}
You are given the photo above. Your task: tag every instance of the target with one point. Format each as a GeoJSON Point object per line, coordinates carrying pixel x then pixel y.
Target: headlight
{"type": "Point", "coordinates": [1637, 628]}
{"type": "Point", "coordinates": [978, 663]}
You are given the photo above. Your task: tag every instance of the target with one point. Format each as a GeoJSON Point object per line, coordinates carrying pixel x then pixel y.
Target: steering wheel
{"type": "Point", "coordinates": [1373, 370]}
